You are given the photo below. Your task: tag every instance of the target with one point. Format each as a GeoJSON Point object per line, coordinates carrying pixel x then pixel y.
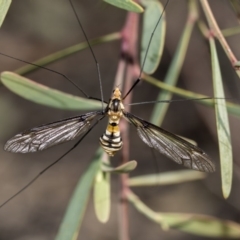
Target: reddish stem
{"type": "Point", "coordinates": [129, 56]}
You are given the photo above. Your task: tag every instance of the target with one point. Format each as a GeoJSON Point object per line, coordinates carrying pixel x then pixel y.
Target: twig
{"type": "Point", "coordinates": [127, 63]}
{"type": "Point", "coordinates": [217, 32]}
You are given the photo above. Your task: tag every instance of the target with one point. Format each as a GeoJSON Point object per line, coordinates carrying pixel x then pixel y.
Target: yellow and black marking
{"type": "Point", "coordinates": [111, 140]}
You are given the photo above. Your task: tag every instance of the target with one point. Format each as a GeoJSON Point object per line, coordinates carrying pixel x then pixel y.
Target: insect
{"type": "Point", "coordinates": [168, 144]}
{"type": "Point", "coordinates": [172, 146]}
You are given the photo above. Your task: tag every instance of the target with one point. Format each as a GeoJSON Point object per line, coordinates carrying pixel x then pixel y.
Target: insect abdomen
{"type": "Point", "coordinates": [111, 140]}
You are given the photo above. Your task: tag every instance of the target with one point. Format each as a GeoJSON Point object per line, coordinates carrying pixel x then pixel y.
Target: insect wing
{"type": "Point", "coordinates": [45, 136]}
{"type": "Point", "coordinates": [171, 145]}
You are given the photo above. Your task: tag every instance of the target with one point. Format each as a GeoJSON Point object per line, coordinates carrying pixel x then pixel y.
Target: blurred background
{"type": "Point", "coordinates": [33, 29]}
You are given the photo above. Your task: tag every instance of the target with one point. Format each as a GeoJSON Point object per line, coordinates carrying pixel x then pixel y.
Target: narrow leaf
{"type": "Point", "coordinates": [237, 65]}
{"type": "Point", "coordinates": [228, 32]}
{"type": "Point", "coordinates": [124, 168]}
{"type": "Point", "coordinates": [4, 6]}
{"type": "Point", "coordinates": [44, 95]}
{"type": "Point", "coordinates": [128, 5]}
{"type": "Point", "coordinates": [173, 177]}
{"type": "Point", "coordinates": [232, 108]}
{"type": "Point", "coordinates": [223, 130]}
{"type": "Point", "coordinates": [72, 220]}
{"type": "Point", "coordinates": [66, 52]}
{"type": "Point", "coordinates": [202, 225]}
{"type": "Point", "coordinates": [102, 199]}
{"type": "Point", "coordinates": [197, 224]}
{"type": "Point", "coordinates": [174, 70]}
{"type": "Point", "coordinates": [153, 9]}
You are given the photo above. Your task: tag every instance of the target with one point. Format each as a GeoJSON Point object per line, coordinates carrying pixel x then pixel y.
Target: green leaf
{"type": "Point", "coordinates": [232, 108]}
{"type": "Point", "coordinates": [228, 32]}
{"type": "Point", "coordinates": [202, 225]}
{"type": "Point", "coordinates": [237, 65]}
{"type": "Point", "coordinates": [223, 130]}
{"type": "Point", "coordinates": [174, 70]}
{"type": "Point", "coordinates": [173, 177]}
{"type": "Point", "coordinates": [4, 6]}
{"type": "Point", "coordinates": [102, 198]}
{"type": "Point", "coordinates": [126, 5]}
{"type": "Point", "coordinates": [197, 224]}
{"type": "Point", "coordinates": [236, 7]}
{"type": "Point", "coordinates": [153, 9]}
{"type": "Point", "coordinates": [124, 168]}
{"type": "Point", "coordinates": [67, 52]}
{"type": "Point", "coordinates": [72, 220]}
{"type": "Point", "coordinates": [44, 95]}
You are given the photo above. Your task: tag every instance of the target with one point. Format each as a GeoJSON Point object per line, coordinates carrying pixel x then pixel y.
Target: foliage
{"type": "Point", "coordinates": [98, 173]}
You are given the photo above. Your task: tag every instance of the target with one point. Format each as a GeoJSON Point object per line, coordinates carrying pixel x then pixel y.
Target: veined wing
{"type": "Point", "coordinates": [45, 136]}
{"type": "Point", "coordinates": [171, 145]}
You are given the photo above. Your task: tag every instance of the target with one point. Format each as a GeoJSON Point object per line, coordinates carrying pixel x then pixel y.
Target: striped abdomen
{"type": "Point", "coordinates": [111, 140]}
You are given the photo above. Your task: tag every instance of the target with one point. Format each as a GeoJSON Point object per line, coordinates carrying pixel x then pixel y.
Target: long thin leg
{"type": "Point", "coordinates": [52, 164]}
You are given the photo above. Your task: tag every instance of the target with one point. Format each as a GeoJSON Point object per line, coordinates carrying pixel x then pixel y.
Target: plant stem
{"type": "Point", "coordinates": [214, 28]}
{"type": "Point", "coordinates": [127, 63]}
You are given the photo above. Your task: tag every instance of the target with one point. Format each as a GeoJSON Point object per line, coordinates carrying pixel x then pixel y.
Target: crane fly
{"type": "Point", "coordinates": [48, 135]}
{"type": "Point", "coordinates": [170, 145]}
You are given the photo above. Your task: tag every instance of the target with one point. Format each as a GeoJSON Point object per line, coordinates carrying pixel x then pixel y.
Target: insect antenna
{"type": "Point", "coordinates": [176, 100]}
{"type": "Point", "coordinates": [63, 75]}
{"type": "Point", "coordinates": [51, 70]}
{"type": "Point", "coordinates": [145, 57]}
{"type": "Point", "coordinates": [94, 57]}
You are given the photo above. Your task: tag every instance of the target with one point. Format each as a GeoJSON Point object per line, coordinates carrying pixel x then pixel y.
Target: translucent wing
{"type": "Point", "coordinates": [171, 145]}
{"type": "Point", "coordinates": [45, 136]}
